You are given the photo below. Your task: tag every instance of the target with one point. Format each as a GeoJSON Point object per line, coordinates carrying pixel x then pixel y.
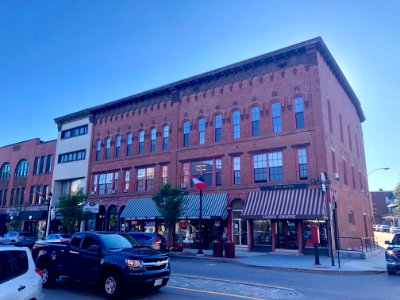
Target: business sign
{"type": "Point", "coordinates": [283, 186]}
{"type": "Point", "coordinates": [91, 207]}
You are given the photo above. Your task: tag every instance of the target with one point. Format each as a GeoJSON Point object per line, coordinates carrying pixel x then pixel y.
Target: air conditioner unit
{"type": "Point", "coordinates": [336, 176]}
{"type": "Point", "coordinates": [183, 185]}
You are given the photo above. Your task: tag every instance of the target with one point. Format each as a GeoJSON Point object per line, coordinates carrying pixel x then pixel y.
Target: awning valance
{"type": "Point", "coordinates": [285, 204]}
{"type": "Point", "coordinates": [35, 215]}
{"type": "Point", "coordinates": [214, 207]}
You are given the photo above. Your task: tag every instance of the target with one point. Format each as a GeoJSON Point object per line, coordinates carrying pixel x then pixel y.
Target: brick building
{"type": "Point", "coordinates": [25, 184]}
{"type": "Point", "coordinates": [260, 132]}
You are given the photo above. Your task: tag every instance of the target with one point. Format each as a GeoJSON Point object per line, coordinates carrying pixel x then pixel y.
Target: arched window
{"type": "Point", "coordinates": [299, 112]}
{"type": "Point", "coordinates": [98, 148]}
{"type": "Point", "coordinates": [276, 116]}
{"type": "Point", "coordinates": [218, 128]}
{"type": "Point", "coordinates": [255, 120]}
{"type": "Point", "coordinates": [202, 131]}
{"type": "Point", "coordinates": [5, 171]}
{"type": "Point", "coordinates": [118, 146]}
{"type": "Point", "coordinates": [236, 124]}
{"type": "Point", "coordinates": [22, 168]}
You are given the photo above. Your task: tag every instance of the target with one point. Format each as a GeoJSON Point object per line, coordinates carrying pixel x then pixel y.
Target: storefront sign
{"type": "Point", "coordinates": [91, 207]}
{"type": "Point", "coordinates": [279, 216]}
{"type": "Point", "coordinates": [283, 186]}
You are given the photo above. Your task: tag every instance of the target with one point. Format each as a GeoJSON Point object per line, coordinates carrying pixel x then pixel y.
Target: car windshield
{"type": "Point", "coordinates": [25, 234]}
{"type": "Point", "coordinates": [65, 236]}
{"type": "Point", "coordinates": [118, 241]}
{"type": "Point", "coordinates": [396, 239]}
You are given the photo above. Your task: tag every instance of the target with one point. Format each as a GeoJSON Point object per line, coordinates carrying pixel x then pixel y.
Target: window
{"type": "Point", "coordinates": [98, 148]}
{"type": "Point", "coordinates": [22, 168]}
{"type": "Point", "coordinates": [275, 166]}
{"type": "Point", "coordinates": [1, 198]}
{"type": "Point", "coordinates": [105, 183]}
{"type": "Point", "coordinates": [42, 164]}
{"type": "Point", "coordinates": [334, 162]}
{"type": "Point", "coordinates": [166, 137]}
{"type": "Point", "coordinates": [186, 134]}
{"type": "Point", "coordinates": [236, 124]}
{"type": "Point", "coordinates": [45, 194]}
{"type": "Point", "coordinates": [145, 179]}
{"type": "Point", "coordinates": [5, 171]}
{"type": "Point", "coordinates": [186, 174]}
{"type": "Point", "coordinates": [260, 167]}
{"type": "Point", "coordinates": [89, 241]}
{"type": "Point", "coordinates": [109, 183]}
{"type": "Point", "coordinates": [218, 171]}
{"type": "Point", "coordinates": [115, 183]}
{"type": "Point", "coordinates": [236, 170]}
{"type": "Point", "coordinates": [127, 180]}
{"type": "Point", "coordinates": [76, 241]}
{"type": "Point", "coordinates": [17, 194]}
{"type": "Point", "coordinates": [350, 143]}
{"type": "Point", "coordinates": [302, 162]}
{"type": "Point", "coordinates": [353, 177]}
{"type": "Point", "coordinates": [36, 165]}
{"type": "Point", "coordinates": [49, 163]}
{"type": "Point", "coordinates": [255, 121]}
{"type": "Point", "coordinates": [32, 195]}
{"type": "Point", "coordinates": [13, 263]}
{"type": "Point", "coordinates": [153, 140]}
{"type": "Point", "coordinates": [341, 128]}
{"type": "Point", "coordinates": [76, 131]}
{"type": "Point", "coordinates": [102, 184]}
{"type": "Point", "coordinates": [202, 131]}
{"type": "Point", "coordinates": [96, 183]}
{"type": "Point", "coordinates": [118, 146]}
{"type": "Point", "coordinates": [360, 178]}
{"type": "Point", "coordinates": [356, 140]}
{"type": "Point", "coordinates": [330, 116]}
{"type": "Point", "coordinates": [5, 197]}
{"type": "Point", "coordinates": [164, 172]}
{"type": "Point", "coordinates": [129, 144]}
{"type": "Point", "coordinates": [218, 128]}
{"type": "Point", "coordinates": [351, 218]}
{"type": "Point", "coordinates": [276, 116]}
{"type": "Point", "coordinates": [299, 112]}
{"type": "Point", "coordinates": [72, 156]}
{"type": "Point", "coordinates": [141, 142]}
{"type": "Point", "coordinates": [345, 172]}
{"type": "Point", "coordinates": [22, 196]}
{"type": "Point", "coordinates": [12, 197]}
{"type": "Point", "coordinates": [108, 148]}
{"type": "Point", "coordinates": [37, 195]}
{"type": "Point", "coordinates": [262, 232]}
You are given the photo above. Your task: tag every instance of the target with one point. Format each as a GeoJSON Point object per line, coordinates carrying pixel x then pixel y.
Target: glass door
{"type": "Point", "coordinates": [239, 232]}
{"type": "Point", "coordinates": [286, 236]}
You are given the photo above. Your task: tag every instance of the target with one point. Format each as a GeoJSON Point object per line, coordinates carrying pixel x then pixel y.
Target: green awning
{"type": "Point", "coordinates": [214, 207]}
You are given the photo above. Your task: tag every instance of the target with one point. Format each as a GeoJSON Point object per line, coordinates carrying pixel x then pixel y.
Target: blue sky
{"type": "Point", "coordinates": [58, 57]}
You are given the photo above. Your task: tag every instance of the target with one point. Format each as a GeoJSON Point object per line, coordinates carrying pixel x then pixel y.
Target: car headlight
{"type": "Point", "coordinates": [134, 265]}
{"type": "Point", "coordinates": [390, 252]}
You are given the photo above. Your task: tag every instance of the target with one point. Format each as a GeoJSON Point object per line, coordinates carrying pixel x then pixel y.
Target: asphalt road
{"type": "Point", "coordinates": [206, 279]}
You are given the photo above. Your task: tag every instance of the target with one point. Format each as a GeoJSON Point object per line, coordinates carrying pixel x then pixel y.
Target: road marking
{"type": "Point", "coordinates": [235, 282]}
{"type": "Point", "coordinates": [213, 293]}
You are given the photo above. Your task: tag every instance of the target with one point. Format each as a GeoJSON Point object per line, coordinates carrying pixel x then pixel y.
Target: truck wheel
{"type": "Point", "coordinates": [48, 276]}
{"type": "Point", "coordinates": [112, 287]}
{"type": "Point", "coordinates": [390, 272]}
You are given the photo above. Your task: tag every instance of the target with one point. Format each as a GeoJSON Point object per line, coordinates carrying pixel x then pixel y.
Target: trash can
{"type": "Point", "coordinates": [217, 248]}
{"type": "Point", "coordinates": [229, 249]}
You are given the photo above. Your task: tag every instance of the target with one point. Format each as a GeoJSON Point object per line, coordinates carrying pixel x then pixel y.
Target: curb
{"type": "Point", "coordinates": [288, 269]}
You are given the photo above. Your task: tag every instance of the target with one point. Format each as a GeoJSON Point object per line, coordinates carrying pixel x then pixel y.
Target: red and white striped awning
{"type": "Point", "coordinates": [285, 204]}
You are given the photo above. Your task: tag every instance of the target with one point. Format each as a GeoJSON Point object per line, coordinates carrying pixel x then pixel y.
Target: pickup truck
{"type": "Point", "coordinates": [392, 255]}
{"type": "Point", "coordinates": [115, 260]}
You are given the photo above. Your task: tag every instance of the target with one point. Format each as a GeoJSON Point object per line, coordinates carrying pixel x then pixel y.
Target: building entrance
{"type": "Point", "coordinates": [286, 235]}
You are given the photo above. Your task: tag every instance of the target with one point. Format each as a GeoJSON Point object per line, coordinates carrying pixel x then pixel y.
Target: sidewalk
{"type": "Point", "coordinates": [374, 264]}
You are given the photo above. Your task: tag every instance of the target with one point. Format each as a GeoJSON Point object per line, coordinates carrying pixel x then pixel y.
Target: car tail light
{"type": "Point", "coordinates": [63, 240]}
{"type": "Point", "coordinates": [39, 272]}
{"type": "Point", "coordinates": [158, 241]}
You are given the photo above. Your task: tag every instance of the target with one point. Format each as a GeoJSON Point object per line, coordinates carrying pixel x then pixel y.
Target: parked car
{"type": "Point", "coordinates": [150, 239]}
{"type": "Point", "coordinates": [384, 228]}
{"type": "Point", "coordinates": [18, 238]}
{"type": "Point", "coordinates": [392, 255]}
{"type": "Point", "coordinates": [376, 227]}
{"type": "Point", "coordinates": [55, 238]}
{"type": "Point", "coordinates": [19, 278]}
{"type": "Point", "coordinates": [394, 229]}
{"type": "Point", "coordinates": [114, 260]}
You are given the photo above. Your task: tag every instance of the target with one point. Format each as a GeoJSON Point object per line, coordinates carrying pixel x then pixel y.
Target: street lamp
{"type": "Point", "coordinates": [377, 170]}
{"type": "Point", "coordinates": [48, 213]}
{"type": "Point", "coordinates": [200, 185]}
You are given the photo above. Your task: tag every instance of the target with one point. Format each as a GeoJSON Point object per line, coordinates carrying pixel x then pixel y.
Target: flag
{"type": "Point", "coordinates": [199, 184]}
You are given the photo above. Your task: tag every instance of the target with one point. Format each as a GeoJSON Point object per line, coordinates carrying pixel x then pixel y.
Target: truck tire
{"type": "Point", "coordinates": [112, 287]}
{"type": "Point", "coordinates": [390, 272]}
{"type": "Point", "coordinates": [48, 277]}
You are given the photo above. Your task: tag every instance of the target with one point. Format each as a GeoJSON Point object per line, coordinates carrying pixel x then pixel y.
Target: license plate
{"type": "Point", "coordinates": [157, 282]}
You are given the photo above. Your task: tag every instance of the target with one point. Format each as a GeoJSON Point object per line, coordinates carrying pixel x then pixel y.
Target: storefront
{"type": "Point", "coordinates": [282, 220]}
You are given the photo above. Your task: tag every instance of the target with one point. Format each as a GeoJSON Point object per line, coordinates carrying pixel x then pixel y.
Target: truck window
{"type": "Point", "coordinates": [76, 241]}
{"type": "Point", "coordinates": [89, 241]}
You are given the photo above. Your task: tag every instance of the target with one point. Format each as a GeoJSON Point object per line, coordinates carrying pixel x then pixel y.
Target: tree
{"type": "Point", "coordinates": [169, 203]}
{"type": "Point", "coordinates": [396, 193]}
{"type": "Point", "coordinates": [15, 222]}
{"type": "Point", "coordinates": [71, 209]}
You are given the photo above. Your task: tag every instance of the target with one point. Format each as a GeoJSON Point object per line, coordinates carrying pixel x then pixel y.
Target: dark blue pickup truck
{"type": "Point", "coordinates": [392, 255]}
{"type": "Point", "coordinates": [115, 260]}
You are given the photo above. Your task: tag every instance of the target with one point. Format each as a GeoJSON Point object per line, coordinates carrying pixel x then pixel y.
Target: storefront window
{"type": "Point", "coordinates": [323, 237]}
{"type": "Point", "coordinates": [262, 232]}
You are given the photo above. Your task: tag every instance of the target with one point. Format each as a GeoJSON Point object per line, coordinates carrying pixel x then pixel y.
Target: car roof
{"type": "Point", "coordinates": [12, 247]}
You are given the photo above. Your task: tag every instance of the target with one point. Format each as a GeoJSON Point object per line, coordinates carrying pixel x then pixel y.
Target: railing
{"type": "Point", "coordinates": [362, 244]}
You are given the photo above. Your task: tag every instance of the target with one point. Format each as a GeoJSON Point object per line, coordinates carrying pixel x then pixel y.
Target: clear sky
{"type": "Point", "coordinates": [58, 57]}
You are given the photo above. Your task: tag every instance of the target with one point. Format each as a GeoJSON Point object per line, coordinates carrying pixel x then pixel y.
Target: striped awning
{"type": "Point", "coordinates": [285, 204]}
{"type": "Point", "coordinates": [214, 207]}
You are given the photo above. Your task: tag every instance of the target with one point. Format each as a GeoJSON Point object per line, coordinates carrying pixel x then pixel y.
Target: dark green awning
{"type": "Point", "coordinates": [35, 215]}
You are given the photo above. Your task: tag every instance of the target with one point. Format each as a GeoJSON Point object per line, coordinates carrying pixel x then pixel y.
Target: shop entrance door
{"type": "Point", "coordinates": [240, 232]}
{"type": "Point", "coordinates": [286, 235]}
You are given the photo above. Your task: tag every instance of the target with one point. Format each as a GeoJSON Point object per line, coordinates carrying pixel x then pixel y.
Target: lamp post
{"type": "Point", "coordinates": [200, 185]}
{"type": "Point", "coordinates": [377, 170]}
{"type": "Point", "coordinates": [48, 213]}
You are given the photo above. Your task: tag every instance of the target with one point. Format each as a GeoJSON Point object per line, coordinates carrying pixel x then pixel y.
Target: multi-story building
{"type": "Point", "coordinates": [260, 132]}
{"type": "Point", "coordinates": [25, 185]}
{"type": "Point", "coordinates": [384, 208]}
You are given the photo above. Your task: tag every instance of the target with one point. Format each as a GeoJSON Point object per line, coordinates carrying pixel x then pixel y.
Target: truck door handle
{"type": "Point", "coordinates": [21, 287]}
{"type": "Point", "coordinates": [73, 252]}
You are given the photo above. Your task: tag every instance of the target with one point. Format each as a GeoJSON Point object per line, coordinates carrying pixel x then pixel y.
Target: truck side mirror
{"type": "Point", "coordinates": [387, 242]}
{"type": "Point", "coordinates": [94, 248]}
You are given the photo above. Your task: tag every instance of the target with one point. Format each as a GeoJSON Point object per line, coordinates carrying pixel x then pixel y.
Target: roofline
{"type": "Point", "coordinates": [25, 141]}
{"type": "Point", "coordinates": [73, 116]}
